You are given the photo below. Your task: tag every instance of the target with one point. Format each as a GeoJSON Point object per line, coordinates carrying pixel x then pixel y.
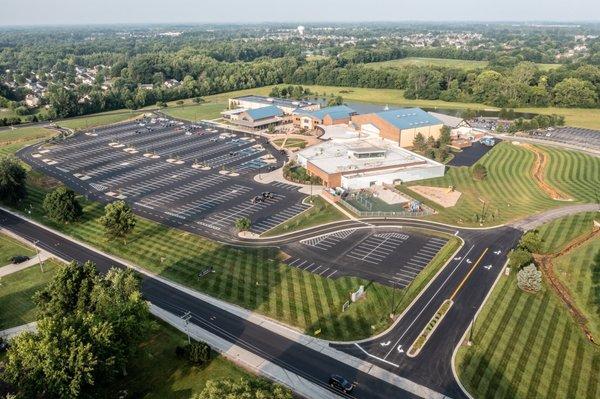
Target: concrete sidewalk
{"type": "Point", "coordinates": [245, 358]}
{"type": "Point", "coordinates": [35, 260]}
{"type": "Point", "coordinates": [14, 331]}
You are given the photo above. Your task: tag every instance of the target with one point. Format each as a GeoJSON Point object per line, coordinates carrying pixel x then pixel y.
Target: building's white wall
{"type": "Point", "coordinates": [302, 161]}
{"type": "Point", "coordinates": [406, 175]}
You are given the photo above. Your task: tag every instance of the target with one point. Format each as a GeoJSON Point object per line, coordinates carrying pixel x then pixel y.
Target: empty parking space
{"type": "Point", "coordinates": [328, 241]}
{"type": "Point", "coordinates": [312, 267]}
{"type": "Point", "coordinates": [147, 163]}
{"type": "Point", "coordinates": [377, 247]}
{"type": "Point", "coordinates": [585, 138]}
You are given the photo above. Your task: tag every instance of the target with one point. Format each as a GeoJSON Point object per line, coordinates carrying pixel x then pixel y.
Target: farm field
{"type": "Point", "coordinates": [10, 247]}
{"type": "Point", "coordinates": [444, 62]}
{"type": "Point", "coordinates": [509, 191]}
{"type": "Point", "coordinates": [16, 295]}
{"type": "Point", "coordinates": [253, 278]}
{"type": "Point", "coordinates": [527, 346]}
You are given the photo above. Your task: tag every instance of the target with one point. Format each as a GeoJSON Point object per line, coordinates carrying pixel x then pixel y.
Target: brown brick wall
{"type": "Point", "coordinates": [330, 180]}
{"type": "Point", "coordinates": [386, 130]}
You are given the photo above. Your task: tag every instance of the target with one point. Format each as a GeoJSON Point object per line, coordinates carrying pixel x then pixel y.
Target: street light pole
{"type": "Point", "coordinates": [37, 249]}
{"type": "Point", "coordinates": [186, 318]}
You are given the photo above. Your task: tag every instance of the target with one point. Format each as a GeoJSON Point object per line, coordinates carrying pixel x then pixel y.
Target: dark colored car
{"type": "Point", "coordinates": [19, 259]}
{"type": "Point", "coordinates": [3, 345]}
{"type": "Point", "coordinates": [340, 383]}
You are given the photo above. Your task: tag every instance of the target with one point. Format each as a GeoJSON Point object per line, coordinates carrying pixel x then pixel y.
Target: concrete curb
{"type": "Point", "coordinates": [14, 331]}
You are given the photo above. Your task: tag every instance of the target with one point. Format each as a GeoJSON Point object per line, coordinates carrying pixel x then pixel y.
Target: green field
{"type": "Point", "coordinates": [527, 346]}
{"type": "Point", "coordinates": [438, 62]}
{"type": "Point", "coordinates": [156, 372]}
{"type": "Point", "coordinates": [556, 234]}
{"type": "Point", "coordinates": [196, 112]}
{"type": "Point", "coordinates": [444, 62]}
{"type": "Point", "coordinates": [22, 134]}
{"type": "Point", "coordinates": [10, 247]}
{"type": "Point", "coordinates": [577, 271]}
{"type": "Point", "coordinates": [94, 120]}
{"type": "Point", "coordinates": [291, 143]}
{"type": "Point", "coordinates": [322, 212]}
{"type": "Point", "coordinates": [509, 191]}
{"type": "Point", "coordinates": [16, 294]}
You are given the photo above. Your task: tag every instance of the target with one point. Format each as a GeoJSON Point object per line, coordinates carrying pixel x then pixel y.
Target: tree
{"type": "Point", "coordinates": [445, 137]}
{"type": "Point", "coordinates": [529, 278]}
{"type": "Point", "coordinates": [89, 328]}
{"type": "Point", "coordinates": [573, 92]}
{"type": "Point", "coordinates": [519, 257]}
{"type": "Point", "coordinates": [531, 241]}
{"type": "Point", "coordinates": [243, 224]}
{"type": "Point", "coordinates": [118, 220]}
{"type": "Point", "coordinates": [419, 142]}
{"type": "Point", "coordinates": [61, 205]}
{"type": "Point", "coordinates": [196, 352]}
{"type": "Point", "coordinates": [479, 172]}
{"type": "Point", "coordinates": [244, 388]}
{"type": "Point", "coordinates": [12, 180]}
{"type": "Point", "coordinates": [198, 100]}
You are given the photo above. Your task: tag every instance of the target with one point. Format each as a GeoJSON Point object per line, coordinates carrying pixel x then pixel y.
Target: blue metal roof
{"type": "Point", "coordinates": [264, 112]}
{"type": "Point", "coordinates": [336, 112]}
{"type": "Point", "coordinates": [408, 118]}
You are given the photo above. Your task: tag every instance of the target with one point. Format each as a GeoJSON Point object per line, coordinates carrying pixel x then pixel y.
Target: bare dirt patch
{"type": "Point", "coordinates": [446, 197]}
{"type": "Point", "coordinates": [541, 160]}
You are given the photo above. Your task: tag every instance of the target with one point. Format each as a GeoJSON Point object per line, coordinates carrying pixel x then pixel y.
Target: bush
{"type": "Point", "coordinates": [243, 224]}
{"type": "Point", "coordinates": [196, 352]}
{"type": "Point", "coordinates": [479, 172]}
{"type": "Point", "coordinates": [529, 278]}
{"type": "Point", "coordinates": [519, 257]}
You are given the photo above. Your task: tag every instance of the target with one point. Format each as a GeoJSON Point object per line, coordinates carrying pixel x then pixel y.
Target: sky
{"type": "Point", "coordinates": [77, 12]}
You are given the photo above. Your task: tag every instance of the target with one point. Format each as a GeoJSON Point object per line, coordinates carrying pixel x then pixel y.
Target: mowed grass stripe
{"type": "Point", "coordinates": [535, 336]}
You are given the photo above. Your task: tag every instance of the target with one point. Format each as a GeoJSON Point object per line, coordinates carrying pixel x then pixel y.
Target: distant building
{"type": "Point", "coordinates": [171, 83]}
{"type": "Point", "coordinates": [453, 122]}
{"type": "Point", "coordinates": [146, 86]}
{"type": "Point", "coordinates": [326, 116]}
{"type": "Point", "coordinates": [399, 125]}
{"type": "Point", "coordinates": [258, 118]}
{"type": "Point", "coordinates": [288, 106]}
{"type": "Point", "coordinates": [32, 101]}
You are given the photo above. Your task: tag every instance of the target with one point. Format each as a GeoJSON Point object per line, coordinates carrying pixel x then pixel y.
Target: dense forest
{"type": "Point", "coordinates": [212, 60]}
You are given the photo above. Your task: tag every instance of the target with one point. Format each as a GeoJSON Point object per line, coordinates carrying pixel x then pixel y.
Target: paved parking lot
{"type": "Point", "coordinates": [586, 138]}
{"type": "Point", "coordinates": [194, 177]}
{"type": "Point", "coordinates": [470, 155]}
{"type": "Point", "coordinates": [391, 257]}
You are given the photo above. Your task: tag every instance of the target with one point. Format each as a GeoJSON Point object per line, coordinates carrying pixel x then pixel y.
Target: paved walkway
{"type": "Point", "coordinates": [13, 268]}
{"type": "Point", "coordinates": [277, 176]}
{"type": "Point", "coordinates": [14, 331]}
{"type": "Point", "coordinates": [534, 221]}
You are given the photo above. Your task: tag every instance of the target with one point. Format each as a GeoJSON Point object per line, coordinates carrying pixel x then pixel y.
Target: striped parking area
{"type": "Point", "coordinates": [285, 186]}
{"type": "Point", "coordinates": [327, 241]}
{"type": "Point", "coordinates": [227, 218]}
{"type": "Point", "coordinates": [377, 247]}
{"type": "Point", "coordinates": [312, 267]}
{"type": "Point", "coordinates": [181, 192]}
{"type": "Point", "coordinates": [205, 204]}
{"type": "Point", "coordinates": [278, 218]}
{"type": "Point", "coordinates": [417, 262]}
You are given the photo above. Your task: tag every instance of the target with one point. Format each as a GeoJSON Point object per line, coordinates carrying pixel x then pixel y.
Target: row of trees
{"type": "Point", "coordinates": [432, 148]}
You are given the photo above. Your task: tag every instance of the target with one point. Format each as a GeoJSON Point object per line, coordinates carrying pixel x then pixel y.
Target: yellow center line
{"type": "Point", "coordinates": [464, 280]}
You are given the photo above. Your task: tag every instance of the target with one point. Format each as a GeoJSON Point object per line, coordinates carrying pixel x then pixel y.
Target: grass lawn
{"type": "Point", "coordinates": [253, 278]}
{"type": "Point", "coordinates": [23, 134]}
{"type": "Point", "coordinates": [559, 232]}
{"type": "Point", "coordinates": [10, 247]}
{"type": "Point", "coordinates": [577, 271]}
{"type": "Point", "coordinates": [291, 143]}
{"type": "Point", "coordinates": [157, 373]}
{"type": "Point", "coordinates": [196, 112]}
{"type": "Point", "coordinates": [94, 120]}
{"type": "Point", "coordinates": [527, 346]}
{"type": "Point", "coordinates": [322, 212]}
{"type": "Point", "coordinates": [16, 294]}
{"type": "Point", "coordinates": [509, 191]}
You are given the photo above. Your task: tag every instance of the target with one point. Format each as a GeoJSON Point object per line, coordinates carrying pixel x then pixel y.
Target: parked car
{"type": "Point", "coordinates": [19, 259]}
{"type": "Point", "coordinates": [340, 383]}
